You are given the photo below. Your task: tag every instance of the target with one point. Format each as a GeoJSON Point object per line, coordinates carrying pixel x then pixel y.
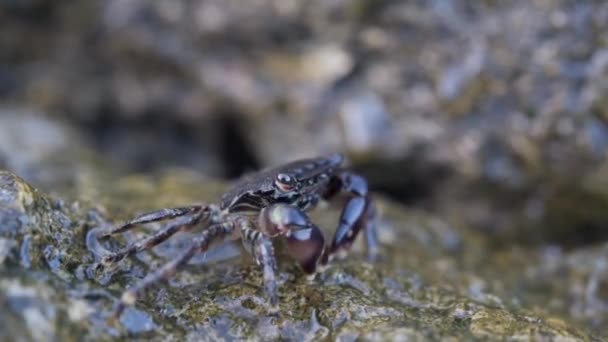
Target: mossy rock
{"type": "Point", "coordinates": [53, 290]}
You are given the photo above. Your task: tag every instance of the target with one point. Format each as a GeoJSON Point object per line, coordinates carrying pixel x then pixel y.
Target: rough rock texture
{"type": "Point", "coordinates": [489, 114]}
{"type": "Point", "coordinates": [499, 97]}
{"type": "Point", "coordinates": [363, 76]}
{"type": "Point", "coordinates": [433, 280]}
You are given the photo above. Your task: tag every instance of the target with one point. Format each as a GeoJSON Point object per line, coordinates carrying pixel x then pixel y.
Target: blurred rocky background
{"type": "Point", "coordinates": [490, 115]}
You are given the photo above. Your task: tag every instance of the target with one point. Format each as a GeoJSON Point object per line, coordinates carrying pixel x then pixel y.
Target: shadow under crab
{"type": "Point", "coordinates": [262, 206]}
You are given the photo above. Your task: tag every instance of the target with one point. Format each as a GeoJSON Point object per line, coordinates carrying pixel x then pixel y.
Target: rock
{"type": "Point", "coordinates": [42, 150]}
{"type": "Point", "coordinates": [422, 287]}
{"type": "Point", "coordinates": [506, 96]}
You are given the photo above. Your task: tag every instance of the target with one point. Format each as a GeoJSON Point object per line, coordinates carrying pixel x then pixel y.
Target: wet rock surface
{"type": "Point", "coordinates": [433, 280]}
{"type": "Point", "coordinates": [489, 115]}
{"type": "Point", "coordinates": [502, 98]}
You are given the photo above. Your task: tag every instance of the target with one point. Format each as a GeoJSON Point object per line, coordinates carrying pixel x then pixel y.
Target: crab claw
{"type": "Point", "coordinates": [305, 241]}
{"type": "Point", "coordinates": [282, 219]}
{"type": "Point", "coordinates": [306, 246]}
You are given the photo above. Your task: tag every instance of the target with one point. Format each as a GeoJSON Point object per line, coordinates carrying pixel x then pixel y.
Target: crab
{"type": "Point", "coordinates": [261, 206]}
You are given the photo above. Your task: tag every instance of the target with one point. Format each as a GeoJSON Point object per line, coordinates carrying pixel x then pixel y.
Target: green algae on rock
{"type": "Point", "coordinates": [52, 288]}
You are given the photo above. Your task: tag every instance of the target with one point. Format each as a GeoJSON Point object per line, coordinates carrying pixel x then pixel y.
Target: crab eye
{"type": "Point", "coordinates": [285, 182]}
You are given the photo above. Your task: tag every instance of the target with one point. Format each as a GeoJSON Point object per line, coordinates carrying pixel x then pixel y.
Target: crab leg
{"type": "Point", "coordinates": [154, 216]}
{"type": "Point", "coordinates": [214, 233]}
{"type": "Point", "coordinates": [358, 214]}
{"type": "Point", "coordinates": [151, 241]}
{"type": "Point", "coordinates": [265, 253]}
{"type": "Point", "coordinates": [261, 248]}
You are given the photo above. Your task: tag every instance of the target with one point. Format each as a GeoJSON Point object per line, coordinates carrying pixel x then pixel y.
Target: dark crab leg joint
{"type": "Point", "coordinates": [262, 206]}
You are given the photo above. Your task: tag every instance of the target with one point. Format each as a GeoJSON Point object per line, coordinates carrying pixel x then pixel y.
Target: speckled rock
{"type": "Point", "coordinates": [424, 286]}
{"type": "Point", "coordinates": [506, 96]}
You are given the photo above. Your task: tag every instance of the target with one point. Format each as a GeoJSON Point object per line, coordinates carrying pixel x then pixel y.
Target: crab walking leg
{"type": "Point", "coordinates": [265, 252]}
{"type": "Point", "coordinates": [261, 248]}
{"type": "Point", "coordinates": [214, 233]}
{"type": "Point", "coordinates": [151, 241]}
{"type": "Point", "coordinates": [155, 216]}
{"type": "Point", "coordinates": [358, 214]}
{"type": "Point", "coordinates": [371, 234]}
